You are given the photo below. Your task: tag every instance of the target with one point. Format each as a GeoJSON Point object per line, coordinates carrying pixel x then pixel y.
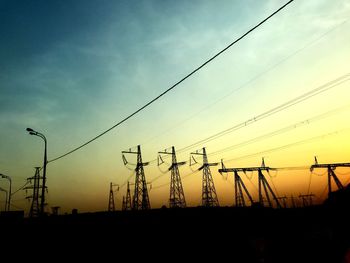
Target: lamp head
{"type": "Point", "coordinates": [5, 176]}
{"type": "Point", "coordinates": [31, 131]}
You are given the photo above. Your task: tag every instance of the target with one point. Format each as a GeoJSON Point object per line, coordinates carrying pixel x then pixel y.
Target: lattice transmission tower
{"type": "Point", "coordinates": [240, 188]}
{"type": "Point", "coordinates": [111, 204]}
{"type": "Point", "coordinates": [209, 196]}
{"type": "Point", "coordinates": [331, 174]}
{"type": "Point", "coordinates": [36, 187]}
{"type": "Point", "coordinates": [140, 199]}
{"type": "Point", "coordinates": [127, 200]}
{"type": "Point", "coordinates": [264, 186]}
{"type": "Point", "coordinates": [177, 196]}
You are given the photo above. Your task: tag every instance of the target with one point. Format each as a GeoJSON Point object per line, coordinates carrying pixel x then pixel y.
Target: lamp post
{"type": "Point", "coordinates": [9, 199]}
{"type": "Point", "coordinates": [1, 189]}
{"type": "Point", "coordinates": [42, 201]}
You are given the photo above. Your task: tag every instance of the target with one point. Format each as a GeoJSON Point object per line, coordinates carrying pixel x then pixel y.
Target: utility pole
{"type": "Point", "coordinates": [239, 184]}
{"type": "Point", "coordinates": [331, 174]}
{"type": "Point", "coordinates": [111, 206]}
{"type": "Point", "coordinates": [35, 208]}
{"type": "Point", "coordinates": [177, 196]}
{"type": "Point", "coordinates": [209, 196]}
{"type": "Point", "coordinates": [262, 182]}
{"type": "Point", "coordinates": [140, 198]}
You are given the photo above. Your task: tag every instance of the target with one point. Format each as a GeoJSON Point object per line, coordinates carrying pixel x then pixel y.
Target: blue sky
{"type": "Point", "coordinates": [72, 69]}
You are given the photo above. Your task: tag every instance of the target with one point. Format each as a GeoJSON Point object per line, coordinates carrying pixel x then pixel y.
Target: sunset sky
{"type": "Point", "coordinates": [72, 69]}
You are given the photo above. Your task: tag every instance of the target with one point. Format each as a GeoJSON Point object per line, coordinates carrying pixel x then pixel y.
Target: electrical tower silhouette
{"type": "Point", "coordinates": [331, 174]}
{"type": "Point", "coordinates": [293, 202]}
{"type": "Point", "coordinates": [263, 184]}
{"type": "Point", "coordinates": [35, 208]}
{"type": "Point", "coordinates": [111, 206]}
{"type": "Point", "coordinates": [209, 196]}
{"type": "Point", "coordinates": [307, 199]}
{"type": "Point", "coordinates": [239, 195]}
{"type": "Point", "coordinates": [127, 200]}
{"type": "Point", "coordinates": [140, 199]}
{"type": "Point", "coordinates": [267, 188]}
{"type": "Point", "coordinates": [284, 201]}
{"type": "Point", "coordinates": [177, 196]}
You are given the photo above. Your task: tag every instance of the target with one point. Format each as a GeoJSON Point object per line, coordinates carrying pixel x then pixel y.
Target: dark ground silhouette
{"type": "Point", "coordinates": [314, 234]}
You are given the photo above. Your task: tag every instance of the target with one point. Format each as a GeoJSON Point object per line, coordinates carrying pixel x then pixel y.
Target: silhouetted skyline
{"type": "Point", "coordinates": [72, 70]}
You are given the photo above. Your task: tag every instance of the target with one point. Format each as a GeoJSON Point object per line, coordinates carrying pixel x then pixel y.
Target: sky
{"type": "Point", "coordinates": [72, 69]}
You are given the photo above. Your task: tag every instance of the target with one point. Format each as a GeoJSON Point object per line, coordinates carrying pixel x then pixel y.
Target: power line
{"type": "Point", "coordinates": [268, 151]}
{"type": "Point", "coordinates": [165, 184]}
{"type": "Point", "coordinates": [285, 146]}
{"type": "Point", "coordinates": [160, 186]}
{"type": "Point", "coordinates": [319, 174]}
{"type": "Point", "coordinates": [290, 168]}
{"type": "Point", "coordinates": [256, 77]}
{"type": "Point", "coordinates": [20, 188]}
{"type": "Point", "coordinates": [331, 84]}
{"type": "Point", "coordinates": [282, 130]}
{"type": "Point", "coordinates": [129, 178]}
{"type": "Point", "coordinates": [347, 173]}
{"type": "Point", "coordinates": [321, 196]}
{"type": "Point", "coordinates": [156, 178]}
{"type": "Point", "coordinates": [273, 184]}
{"type": "Point", "coordinates": [276, 169]}
{"type": "Point", "coordinates": [327, 86]}
{"type": "Point", "coordinates": [175, 85]}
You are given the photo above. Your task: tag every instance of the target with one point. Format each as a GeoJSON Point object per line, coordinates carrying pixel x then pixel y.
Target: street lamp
{"type": "Point", "coordinates": [1, 189]}
{"type": "Point", "coordinates": [9, 200]}
{"type": "Point", "coordinates": [42, 202]}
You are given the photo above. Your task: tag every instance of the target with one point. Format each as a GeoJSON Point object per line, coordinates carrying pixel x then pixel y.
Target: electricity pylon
{"type": "Point", "coordinates": [36, 187]}
{"type": "Point", "coordinates": [140, 199]}
{"type": "Point", "coordinates": [331, 174]}
{"type": "Point", "coordinates": [127, 199]}
{"type": "Point", "coordinates": [283, 200]}
{"type": "Point", "coordinates": [263, 184]}
{"type": "Point", "coordinates": [177, 196]}
{"type": "Point", "coordinates": [307, 199]}
{"type": "Point", "coordinates": [239, 184]}
{"type": "Point", "coordinates": [209, 196]}
{"type": "Point", "coordinates": [294, 205]}
{"type": "Point", "coordinates": [111, 206]}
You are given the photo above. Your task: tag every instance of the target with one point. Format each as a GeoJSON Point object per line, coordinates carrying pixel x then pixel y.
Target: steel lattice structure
{"type": "Point", "coordinates": [35, 207]}
{"type": "Point", "coordinates": [209, 196]}
{"type": "Point", "coordinates": [140, 199]}
{"type": "Point", "coordinates": [331, 174]}
{"type": "Point", "coordinates": [177, 196]}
